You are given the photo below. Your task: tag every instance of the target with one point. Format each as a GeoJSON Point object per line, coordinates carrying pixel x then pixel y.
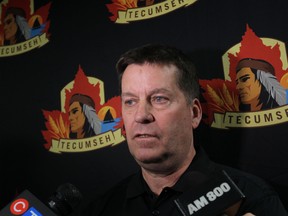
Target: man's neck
{"type": "Point", "coordinates": [158, 181]}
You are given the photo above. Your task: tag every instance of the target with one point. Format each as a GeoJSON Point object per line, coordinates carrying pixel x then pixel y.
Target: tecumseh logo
{"type": "Point", "coordinates": [136, 10]}
{"type": "Point", "coordinates": [254, 91]}
{"type": "Point", "coordinates": [22, 27]}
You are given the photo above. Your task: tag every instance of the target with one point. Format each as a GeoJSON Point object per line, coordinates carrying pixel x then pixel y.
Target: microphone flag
{"type": "Point", "coordinates": [211, 197]}
{"type": "Point", "coordinates": [26, 204]}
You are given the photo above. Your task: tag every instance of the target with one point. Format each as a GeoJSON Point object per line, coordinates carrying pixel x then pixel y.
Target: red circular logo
{"type": "Point", "coordinates": [19, 206]}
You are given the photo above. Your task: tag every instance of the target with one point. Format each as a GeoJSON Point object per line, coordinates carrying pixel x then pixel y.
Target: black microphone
{"type": "Point", "coordinates": [63, 202]}
{"type": "Point", "coordinates": [210, 195]}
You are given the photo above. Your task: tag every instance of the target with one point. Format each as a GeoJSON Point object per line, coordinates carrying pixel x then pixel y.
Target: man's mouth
{"type": "Point", "coordinates": [243, 94]}
{"type": "Point", "coordinates": [144, 135]}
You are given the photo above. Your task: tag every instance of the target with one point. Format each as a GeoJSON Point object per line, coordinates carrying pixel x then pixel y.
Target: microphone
{"type": "Point", "coordinates": [210, 196]}
{"type": "Point", "coordinates": [66, 198]}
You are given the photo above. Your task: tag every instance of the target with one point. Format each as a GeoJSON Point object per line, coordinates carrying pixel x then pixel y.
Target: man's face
{"type": "Point", "coordinates": [248, 86]}
{"type": "Point", "coordinates": [76, 117]}
{"type": "Point", "coordinates": [10, 27]}
{"type": "Point", "coordinates": [157, 118]}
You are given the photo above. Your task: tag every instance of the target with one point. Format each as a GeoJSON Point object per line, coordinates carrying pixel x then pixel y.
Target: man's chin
{"type": "Point", "coordinates": [149, 159]}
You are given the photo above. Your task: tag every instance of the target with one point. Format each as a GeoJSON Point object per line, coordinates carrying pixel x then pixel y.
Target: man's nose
{"type": "Point", "coordinates": [144, 113]}
{"type": "Point", "coordinates": [239, 86]}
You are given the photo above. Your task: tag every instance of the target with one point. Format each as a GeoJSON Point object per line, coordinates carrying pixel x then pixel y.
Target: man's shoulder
{"type": "Point", "coordinates": [248, 181]}
{"type": "Point", "coordinates": [260, 197]}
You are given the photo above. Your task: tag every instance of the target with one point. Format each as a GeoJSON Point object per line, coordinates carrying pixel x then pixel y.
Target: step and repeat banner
{"type": "Point", "coordinates": [60, 105]}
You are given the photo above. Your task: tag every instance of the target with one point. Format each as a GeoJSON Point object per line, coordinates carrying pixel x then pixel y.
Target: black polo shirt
{"type": "Point", "coordinates": [132, 196]}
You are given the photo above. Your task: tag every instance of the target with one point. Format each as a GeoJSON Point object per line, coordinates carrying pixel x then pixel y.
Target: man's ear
{"type": "Point", "coordinates": [196, 110]}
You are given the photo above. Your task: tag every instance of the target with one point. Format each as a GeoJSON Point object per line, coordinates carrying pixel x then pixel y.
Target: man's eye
{"type": "Point", "coordinates": [129, 102]}
{"type": "Point", "coordinates": [245, 79]}
{"type": "Point", "coordinates": [159, 99]}
{"type": "Point", "coordinates": [7, 22]}
{"type": "Point", "coordinates": [75, 111]}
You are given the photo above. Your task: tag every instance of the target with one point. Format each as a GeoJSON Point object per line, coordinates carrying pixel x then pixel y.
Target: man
{"type": "Point", "coordinates": [16, 28]}
{"type": "Point", "coordinates": [84, 121]}
{"type": "Point", "coordinates": [258, 86]}
{"type": "Point", "coordinates": [160, 110]}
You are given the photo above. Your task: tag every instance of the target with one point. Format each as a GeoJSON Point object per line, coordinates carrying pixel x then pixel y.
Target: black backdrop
{"type": "Point", "coordinates": [82, 34]}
